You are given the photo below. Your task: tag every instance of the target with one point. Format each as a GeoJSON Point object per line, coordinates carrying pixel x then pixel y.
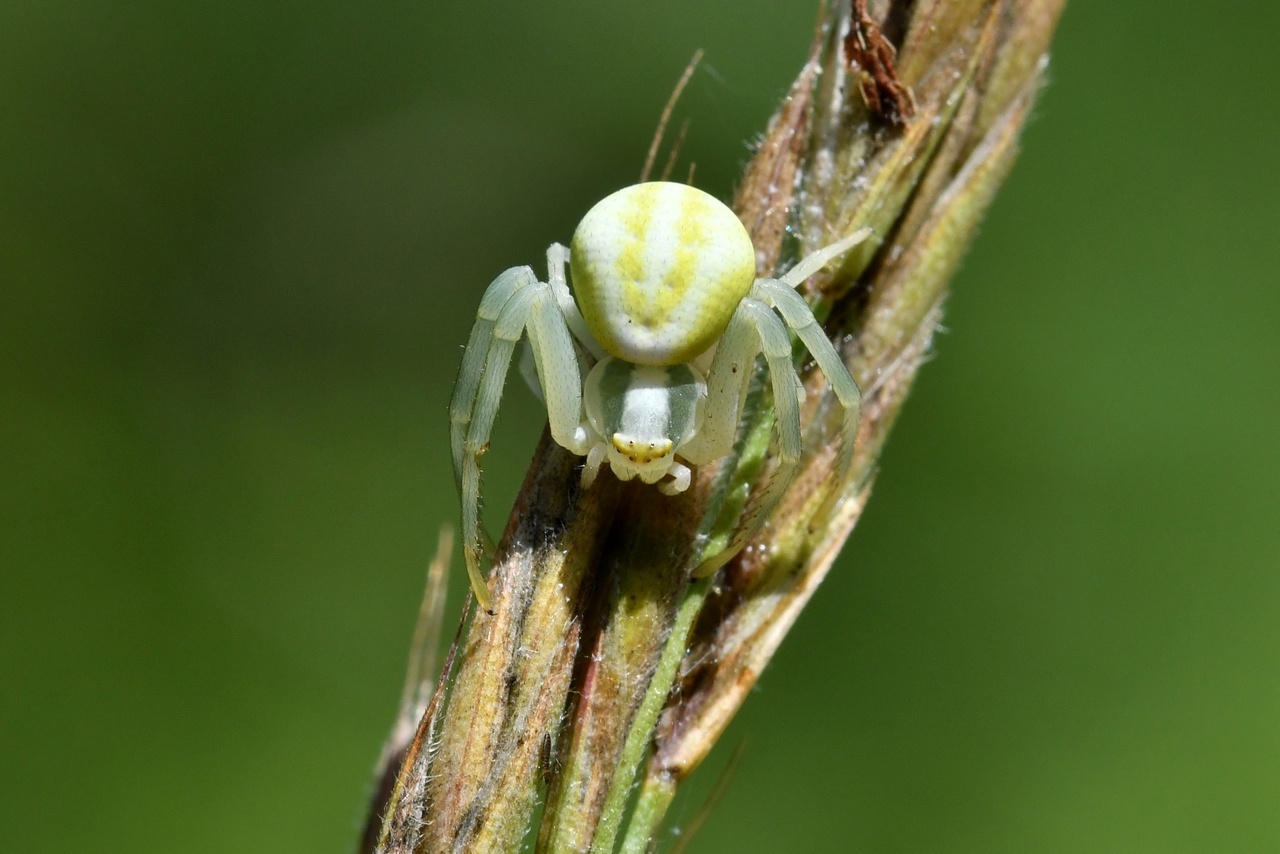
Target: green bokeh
{"type": "Point", "coordinates": [240, 245]}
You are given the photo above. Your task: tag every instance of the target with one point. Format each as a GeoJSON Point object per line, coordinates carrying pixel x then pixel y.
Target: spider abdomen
{"type": "Point", "coordinates": [658, 270]}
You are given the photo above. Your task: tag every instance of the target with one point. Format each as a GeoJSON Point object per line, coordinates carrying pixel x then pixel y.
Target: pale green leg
{"type": "Point", "coordinates": [727, 381]}
{"type": "Point", "coordinates": [797, 314]}
{"type": "Point", "coordinates": [558, 374]}
{"type": "Point", "coordinates": [506, 332]}
{"type": "Point", "coordinates": [787, 393]}
{"type": "Point", "coordinates": [473, 358]}
{"type": "Point", "coordinates": [531, 306]}
{"type": "Point", "coordinates": [557, 257]}
{"type": "Point", "coordinates": [681, 477]}
{"type": "Point", "coordinates": [814, 262]}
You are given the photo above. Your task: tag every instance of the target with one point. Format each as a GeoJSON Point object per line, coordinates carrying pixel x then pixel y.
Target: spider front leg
{"type": "Point", "coordinates": [590, 353]}
{"type": "Point", "coordinates": [799, 317]}
{"type": "Point", "coordinates": [754, 329]}
{"type": "Point", "coordinates": [781, 294]}
{"type": "Point", "coordinates": [514, 304]}
{"type": "Point", "coordinates": [730, 371]}
{"type": "Point", "coordinates": [461, 406]}
{"type": "Point", "coordinates": [557, 258]}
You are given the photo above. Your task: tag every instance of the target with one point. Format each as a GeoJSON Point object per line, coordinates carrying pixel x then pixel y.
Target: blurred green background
{"type": "Point", "coordinates": [240, 248]}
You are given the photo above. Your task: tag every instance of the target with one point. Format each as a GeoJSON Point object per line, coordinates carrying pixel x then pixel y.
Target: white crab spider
{"type": "Point", "coordinates": [666, 303]}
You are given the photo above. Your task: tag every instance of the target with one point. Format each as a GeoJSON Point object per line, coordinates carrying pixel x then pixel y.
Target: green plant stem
{"type": "Point", "coordinates": [641, 731]}
{"type": "Point", "coordinates": [750, 459]}
{"type": "Point", "coordinates": [656, 795]}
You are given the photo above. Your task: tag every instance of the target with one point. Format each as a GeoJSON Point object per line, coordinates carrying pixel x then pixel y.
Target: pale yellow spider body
{"type": "Point", "coordinates": [666, 320]}
{"type": "Point", "coordinates": [658, 271]}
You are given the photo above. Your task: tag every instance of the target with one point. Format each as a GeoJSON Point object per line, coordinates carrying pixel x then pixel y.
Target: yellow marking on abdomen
{"type": "Point", "coordinates": [658, 271]}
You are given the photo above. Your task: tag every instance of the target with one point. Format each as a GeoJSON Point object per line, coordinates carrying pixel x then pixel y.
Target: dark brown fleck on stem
{"type": "Point", "coordinates": [873, 59]}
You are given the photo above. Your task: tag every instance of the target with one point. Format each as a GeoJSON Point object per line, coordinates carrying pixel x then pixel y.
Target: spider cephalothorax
{"type": "Point", "coordinates": [668, 319]}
